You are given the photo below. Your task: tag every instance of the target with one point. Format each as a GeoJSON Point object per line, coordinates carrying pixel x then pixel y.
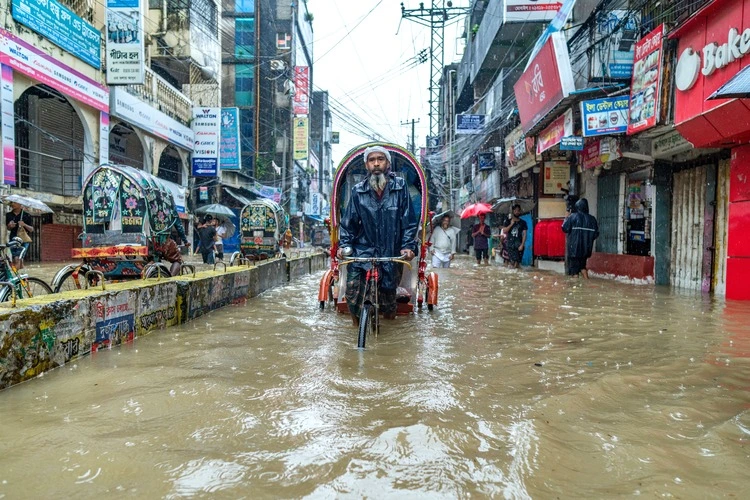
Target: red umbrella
{"type": "Point", "coordinates": [475, 209]}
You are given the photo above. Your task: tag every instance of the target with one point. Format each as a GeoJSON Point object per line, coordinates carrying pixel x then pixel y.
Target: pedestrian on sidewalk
{"type": "Point", "coordinates": [19, 221]}
{"type": "Point", "coordinates": [582, 229]}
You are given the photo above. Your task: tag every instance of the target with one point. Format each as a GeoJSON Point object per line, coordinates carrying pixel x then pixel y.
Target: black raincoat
{"type": "Point", "coordinates": [582, 230]}
{"type": "Point", "coordinates": [379, 227]}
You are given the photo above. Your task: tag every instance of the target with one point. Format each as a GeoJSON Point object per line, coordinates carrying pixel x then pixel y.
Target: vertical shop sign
{"type": "Point", "coordinates": [207, 130]}
{"type": "Point", "coordinates": [646, 82]}
{"type": "Point", "coordinates": [103, 142]}
{"type": "Point", "coordinates": [229, 151]}
{"type": "Point", "coordinates": [125, 46]}
{"type": "Point", "coordinates": [301, 90]}
{"type": "Point", "coordinates": [8, 127]}
{"type": "Point", "coordinates": [300, 138]}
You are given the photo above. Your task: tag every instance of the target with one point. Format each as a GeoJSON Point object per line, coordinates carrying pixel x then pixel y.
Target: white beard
{"type": "Point", "coordinates": [378, 182]}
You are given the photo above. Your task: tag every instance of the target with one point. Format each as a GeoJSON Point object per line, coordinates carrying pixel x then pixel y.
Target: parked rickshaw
{"type": "Point", "coordinates": [417, 286]}
{"type": "Point", "coordinates": [261, 223]}
{"type": "Point", "coordinates": [126, 214]}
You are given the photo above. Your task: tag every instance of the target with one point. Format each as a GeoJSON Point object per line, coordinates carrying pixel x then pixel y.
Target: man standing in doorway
{"type": "Point", "coordinates": [377, 222]}
{"type": "Point", "coordinates": [582, 229]}
{"type": "Point", "coordinates": [481, 234]}
{"type": "Point", "coordinates": [515, 231]}
{"type": "Point", "coordinates": [444, 239]}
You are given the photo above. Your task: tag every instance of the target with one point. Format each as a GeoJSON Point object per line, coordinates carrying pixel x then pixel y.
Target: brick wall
{"type": "Point", "coordinates": [57, 240]}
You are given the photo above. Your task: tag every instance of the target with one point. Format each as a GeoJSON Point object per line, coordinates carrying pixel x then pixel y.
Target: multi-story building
{"type": "Point", "coordinates": [65, 119]}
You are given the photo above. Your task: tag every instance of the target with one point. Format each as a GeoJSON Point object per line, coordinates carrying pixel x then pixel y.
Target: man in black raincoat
{"type": "Point", "coordinates": [378, 221]}
{"type": "Point", "coordinates": [582, 229]}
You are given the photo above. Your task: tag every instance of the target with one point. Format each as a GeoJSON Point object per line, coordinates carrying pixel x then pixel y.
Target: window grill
{"type": "Point", "coordinates": [84, 8]}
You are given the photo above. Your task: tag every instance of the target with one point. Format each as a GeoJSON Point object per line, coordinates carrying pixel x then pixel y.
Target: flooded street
{"type": "Point", "coordinates": [520, 385]}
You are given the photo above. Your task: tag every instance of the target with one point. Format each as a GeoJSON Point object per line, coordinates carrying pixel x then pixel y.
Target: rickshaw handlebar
{"type": "Point", "coordinates": [349, 260]}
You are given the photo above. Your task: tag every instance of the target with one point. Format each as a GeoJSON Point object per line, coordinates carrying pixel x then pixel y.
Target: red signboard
{"type": "Point", "coordinates": [713, 47]}
{"type": "Point", "coordinates": [546, 82]}
{"type": "Point", "coordinates": [301, 90]}
{"type": "Point", "coordinates": [590, 157]}
{"type": "Point", "coordinates": [646, 82]}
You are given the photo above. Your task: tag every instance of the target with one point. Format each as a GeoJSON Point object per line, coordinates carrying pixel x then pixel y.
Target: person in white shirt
{"type": "Point", "coordinates": [221, 232]}
{"type": "Point", "coordinates": [444, 239]}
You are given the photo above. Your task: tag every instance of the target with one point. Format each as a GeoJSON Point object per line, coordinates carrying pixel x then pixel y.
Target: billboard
{"type": "Point", "coordinates": [300, 138]}
{"type": "Point", "coordinates": [605, 116]}
{"type": "Point", "coordinates": [229, 147]}
{"type": "Point", "coordinates": [469, 124]}
{"type": "Point", "coordinates": [207, 130]}
{"type": "Point", "coordinates": [125, 47]}
{"type": "Point", "coordinates": [646, 82]}
{"type": "Point", "coordinates": [531, 10]}
{"type": "Point", "coordinates": [301, 99]}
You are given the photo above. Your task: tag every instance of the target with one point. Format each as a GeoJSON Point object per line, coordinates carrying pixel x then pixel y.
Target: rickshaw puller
{"type": "Point", "coordinates": [377, 222]}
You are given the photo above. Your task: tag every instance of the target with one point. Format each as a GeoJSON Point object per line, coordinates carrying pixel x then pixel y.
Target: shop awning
{"type": "Point", "coordinates": [737, 87]}
{"type": "Point", "coordinates": [237, 197]}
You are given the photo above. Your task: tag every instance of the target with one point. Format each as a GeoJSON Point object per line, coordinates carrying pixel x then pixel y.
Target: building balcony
{"type": "Point", "coordinates": [159, 94]}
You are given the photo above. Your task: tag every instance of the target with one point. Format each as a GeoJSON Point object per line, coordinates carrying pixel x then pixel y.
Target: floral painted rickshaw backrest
{"type": "Point", "coordinates": [127, 200]}
{"type": "Point", "coordinates": [258, 216]}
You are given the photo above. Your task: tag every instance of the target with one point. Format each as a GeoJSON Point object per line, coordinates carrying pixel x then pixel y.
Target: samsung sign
{"type": "Point", "coordinates": [469, 124]}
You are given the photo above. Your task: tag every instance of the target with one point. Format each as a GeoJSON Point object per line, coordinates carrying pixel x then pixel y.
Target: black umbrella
{"type": "Point", "coordinates": [505, 205]}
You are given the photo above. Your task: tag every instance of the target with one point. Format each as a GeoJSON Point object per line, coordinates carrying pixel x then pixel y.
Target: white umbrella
{"type": "Point", "coordinates": [215, 210]}
{"type": "Point", "coordinates": [229, 225]}
{"type": "Point", "coordinates": [505, 205]}
{"type": "Point", "coordinates": [31, 205]}
{"type": "Point", "coordinates": [455, 220]}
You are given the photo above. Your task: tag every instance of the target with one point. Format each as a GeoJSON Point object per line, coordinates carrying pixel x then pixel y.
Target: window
{"type": "Point", "coordinates": [244, 38]}
{"type": "Point", "coordinates": [244, 93]}
{"type": "Point", "coordinates": [247, 130]}
{"type": "Point", "coordinates": [244, 6]}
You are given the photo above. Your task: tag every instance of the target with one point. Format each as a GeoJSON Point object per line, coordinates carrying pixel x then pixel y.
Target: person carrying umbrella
{"type": "Point", "coordinates": [18, 220]}
{"type": "Point", "coordinates": [481, 234]}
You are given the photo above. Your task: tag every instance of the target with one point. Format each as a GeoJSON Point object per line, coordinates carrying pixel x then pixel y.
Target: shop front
{"type": "Point", "coordinates": [53, 119]}
{"type": "Point", "coordinates": [713, 46]}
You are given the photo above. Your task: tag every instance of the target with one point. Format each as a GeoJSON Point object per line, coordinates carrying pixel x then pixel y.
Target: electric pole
{"type": "Point", "coordinates": [412, 144]}
{"type": "Point", "coordinates": [435, 17]}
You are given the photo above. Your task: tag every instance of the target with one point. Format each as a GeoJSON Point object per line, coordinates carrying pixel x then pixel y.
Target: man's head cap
{"type": "Point", "coordinates": [377, 149]}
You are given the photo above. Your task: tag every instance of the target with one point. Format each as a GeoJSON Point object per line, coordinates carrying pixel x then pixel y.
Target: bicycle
{"type": "Point", "coordinates": [369, 316]}
{"type": "Point", "coordinates": [23, 285]}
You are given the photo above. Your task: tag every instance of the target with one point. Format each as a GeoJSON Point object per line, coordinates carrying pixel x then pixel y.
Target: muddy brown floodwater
{"type": "Point", "coordinates": [519, 385]}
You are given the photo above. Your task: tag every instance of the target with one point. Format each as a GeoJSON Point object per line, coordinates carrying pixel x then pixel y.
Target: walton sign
{"type": "Point", "coordinates": [715, 57]}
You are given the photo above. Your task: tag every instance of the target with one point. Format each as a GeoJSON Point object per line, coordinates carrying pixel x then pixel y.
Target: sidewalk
{"type": "Point", "coordinates": [48, 270]}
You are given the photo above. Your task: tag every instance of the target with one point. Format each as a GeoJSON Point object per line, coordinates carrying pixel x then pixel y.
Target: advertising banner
{"type": "Point", "coordinates": [301, 100]}
{"type": "Point", "coordinates": [547, 81]}
{"type": "Point", "coordinates": [555, 131]}
{"type": "Point", "coordinates": [125, 47]}
{"type": "Point", "coordinates": [486, 161]}
{"type": "Point", "coordinates": [103, 142]}
{"type": "Point", "coordinates": [646, 83]}
{"type": "Point", "coordinates": [469, 124]}
{"type": "Point", "coordinates": [300, 138]}
{"type": "Point", "coordinates": [531, 10]}
{"type": "Point", "coordinates": [519, 152]}
{"type": "Point", "coordinates": [62, 26]}
{"type": "Point", "coordinates": [9, 127]}
{"type": "Point", "coordinates": [229, 149]}
{"type": "Point", "coordinates": [153, 121]}
{"type": "Point", "coordinates": [612, 43]}
{"type": "Point", "coordinates": [556, 176]}
{"type": "Point", "coordinates": [590, 155]}
{"type": "Point", "coordinates": [605, 116]}
{"type": "Point", "coordinates": [207, 130]}
{"type": "Point", "coordinates": [600, 151]}
{"type": "Point", "coordinates": [35, 64]}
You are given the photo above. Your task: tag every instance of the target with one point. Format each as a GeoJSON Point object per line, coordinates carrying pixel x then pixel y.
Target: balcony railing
{"type": "Point", "coordinates": [47, 173]}
{"type": "Point", "coordinates": [159, 94]}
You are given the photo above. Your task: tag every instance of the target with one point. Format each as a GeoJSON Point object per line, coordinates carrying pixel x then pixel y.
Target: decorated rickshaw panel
{"type": "Point", "coordinates": [258, 226]}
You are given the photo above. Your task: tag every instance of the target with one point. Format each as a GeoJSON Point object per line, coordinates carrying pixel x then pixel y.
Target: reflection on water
{"type": "Point", "coordinates": [520, 384]}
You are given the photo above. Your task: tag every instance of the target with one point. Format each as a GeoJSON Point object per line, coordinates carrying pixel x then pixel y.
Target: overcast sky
{"type": "Point", "coordinates": [360, 49]}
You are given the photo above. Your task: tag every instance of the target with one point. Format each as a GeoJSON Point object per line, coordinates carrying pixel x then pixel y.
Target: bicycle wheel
{"type": "Point", "coordinates": [366, 324]}
{"type": "Point", "coordinates": [67, 282]}
{"type": "Point", "coordinates": [29, 287]}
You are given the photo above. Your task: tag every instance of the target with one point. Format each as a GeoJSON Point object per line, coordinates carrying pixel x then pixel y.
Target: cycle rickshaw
{"type": "Point", "coordinates": [418, 287]}
{"type": "Point", "coordinates": [126, 214]}
{"type": "Point", "coordinates": [260, 230]}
